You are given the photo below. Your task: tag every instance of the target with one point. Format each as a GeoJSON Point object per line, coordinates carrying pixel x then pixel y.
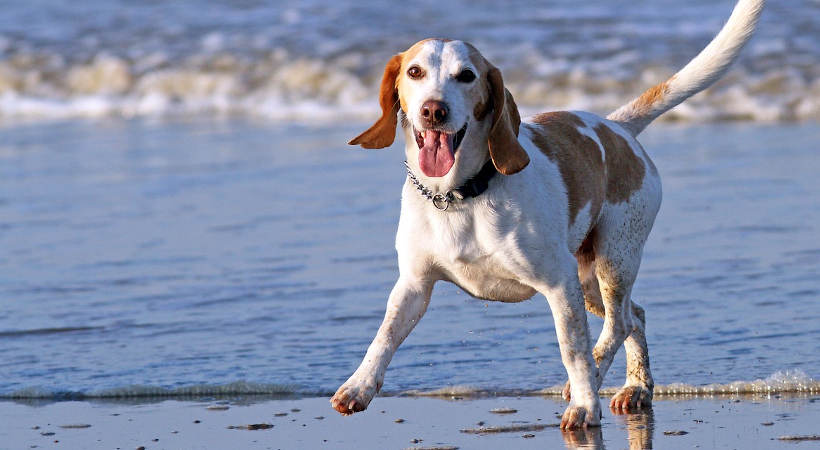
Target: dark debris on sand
{"type": "Point", "coordinates": [252, 426]}
{"type": "Point", "coordinates": [442, 447]}
{"type": "Point", "coordinates": [675, 433]}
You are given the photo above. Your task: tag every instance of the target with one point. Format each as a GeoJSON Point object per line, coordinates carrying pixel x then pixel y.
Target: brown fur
{"type": "Point", "coordinates": [651, 96]}
{"type": "Point", "coordinates": [506, 152]}
{"type": "Point", "coordinates": [586, 274]}
{"type": "Point", "coordinates": [480, 111]}
{"type": "Point", "coordinates": [578, 158]}
{"type": "Point", "coordinates": [586, 252]}
{"type": "Point", "coordinates": [624, 170]}
{"type": "Point", "coordinates": [383, 132]}
{"type": "Point", "coordinates": [564, 116]}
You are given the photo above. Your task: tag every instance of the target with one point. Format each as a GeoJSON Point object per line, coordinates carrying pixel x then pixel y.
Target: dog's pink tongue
{"type": "Point", "coordinates": [436, 157]}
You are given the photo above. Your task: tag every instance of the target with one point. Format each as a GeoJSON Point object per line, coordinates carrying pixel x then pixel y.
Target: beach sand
{"type": "Point", "coordinates": [404, 422]}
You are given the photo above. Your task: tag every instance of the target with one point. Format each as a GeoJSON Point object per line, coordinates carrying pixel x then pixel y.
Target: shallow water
{"type": "Point", "coordinates": [319, 59]}
{"type": "Point", "coordinates": [531, 423]}
{"type": "Point", "coordinates": [176, 254]}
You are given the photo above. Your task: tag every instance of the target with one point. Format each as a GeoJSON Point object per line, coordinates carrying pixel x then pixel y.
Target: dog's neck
{"type": "Point", "coordinates": [471, 188]}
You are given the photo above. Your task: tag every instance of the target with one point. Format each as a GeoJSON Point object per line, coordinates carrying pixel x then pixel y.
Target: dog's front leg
{"type": "Point", "coordinates": [407, 304]}
{"type": "Point", "coordinates": [566, 299]}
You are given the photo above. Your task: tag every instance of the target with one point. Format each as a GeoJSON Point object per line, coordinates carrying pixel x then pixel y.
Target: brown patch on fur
{"type": "Point", "coordinates": [411, 52]}
{"type": "Point", "coordinates": [624, 169]}
{"type": "Point", "coordinates": [480, 111]}
{"type": "Point", "coordinates": [567, 117]}
{"type": "Point", "coordinates": [651, 96]}
{"type": "Point", "coordinates": [586, 274]}
{"type": "Point", "coordinates": [578, 158]}
{"type": "Point", "coordinates": [586, 252]}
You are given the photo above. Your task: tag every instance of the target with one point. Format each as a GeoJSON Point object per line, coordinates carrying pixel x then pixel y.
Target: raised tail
{"type": "Point", "coordinates": [706, 68]}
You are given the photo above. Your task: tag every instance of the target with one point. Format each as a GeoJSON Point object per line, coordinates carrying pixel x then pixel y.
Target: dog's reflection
{"type": "Point", "coordinates": [584, 438]}
{"type": "Point", "coordinates": [639, 427]}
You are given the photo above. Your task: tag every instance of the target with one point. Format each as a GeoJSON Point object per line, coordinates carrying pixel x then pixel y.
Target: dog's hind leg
{"type": "Point", "coordinates": [637, 392]}
{"type": "Point", "coordinates": [617, 259]}
{"type": "Point", "coordinates": [615, 278]}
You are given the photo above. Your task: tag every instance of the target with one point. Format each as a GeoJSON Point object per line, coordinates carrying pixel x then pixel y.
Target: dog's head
{"type": "Point", "coordinates": [455, 106]}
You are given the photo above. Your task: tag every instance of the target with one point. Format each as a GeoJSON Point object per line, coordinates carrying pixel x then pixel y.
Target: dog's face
{"type": "Point", "coordinates": [455, 110]}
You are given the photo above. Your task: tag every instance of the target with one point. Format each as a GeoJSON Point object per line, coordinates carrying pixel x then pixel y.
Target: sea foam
{"type": "Point", "coordinates": [781, 382]}
{"type": "Point", "coordinates": [300, 65]}
{"type": "Point", "coordinates": [283, 88]}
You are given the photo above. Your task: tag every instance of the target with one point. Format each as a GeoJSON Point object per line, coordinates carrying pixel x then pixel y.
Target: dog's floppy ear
{"type": "Point", "coordinates": [383, 132]}
{"type": "Point", "coordinates": [507, 154]}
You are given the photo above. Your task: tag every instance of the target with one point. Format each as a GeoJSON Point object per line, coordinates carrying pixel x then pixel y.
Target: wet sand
{"type": "Point", "coordinates": [402, 422]}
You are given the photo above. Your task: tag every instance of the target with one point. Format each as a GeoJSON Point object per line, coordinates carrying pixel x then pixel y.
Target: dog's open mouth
{"type": "Point", "coordinates": [437, 150]}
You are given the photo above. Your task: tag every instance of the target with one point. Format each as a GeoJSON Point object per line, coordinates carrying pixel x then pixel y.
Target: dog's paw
{"type": "Point", "coordinates": [577, 416]}
{"type": "Point", "coordinates": [631, 398]}
{"type": "Point", "coordinates": [354, 396]}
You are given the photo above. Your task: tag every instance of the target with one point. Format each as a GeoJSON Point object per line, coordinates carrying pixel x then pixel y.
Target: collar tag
{"type": "Point", "coordinates": [442, 201]}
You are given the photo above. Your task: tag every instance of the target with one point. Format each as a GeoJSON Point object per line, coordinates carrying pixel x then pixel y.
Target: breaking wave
{"type": "Point", "coordinates": [317, 61]}
{"type": "Point", "coordinates": [239, 388]}
{"type": "Point", "coordinates": [283, 86]}
{"type": "Point", "coordinates": [781, 382]}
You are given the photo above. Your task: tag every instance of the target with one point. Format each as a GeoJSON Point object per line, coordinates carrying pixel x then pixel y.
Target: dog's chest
{"type": "Point", "coordinates": [471, 254]}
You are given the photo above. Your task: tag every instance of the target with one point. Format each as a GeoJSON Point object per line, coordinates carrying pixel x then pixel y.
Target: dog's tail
{"type": "Point", "coordinates": [706, 68]}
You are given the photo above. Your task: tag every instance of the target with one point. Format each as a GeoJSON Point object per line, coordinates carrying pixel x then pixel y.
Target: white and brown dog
{"type": "Point", "coordinates": [560, 203]}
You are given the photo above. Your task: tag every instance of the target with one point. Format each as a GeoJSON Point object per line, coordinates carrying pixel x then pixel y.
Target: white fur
{"type": "Point", "coordinates": [517, 238]}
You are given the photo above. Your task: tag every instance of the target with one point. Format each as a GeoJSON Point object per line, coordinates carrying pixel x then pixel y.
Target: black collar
{"type": "Point", "coordinates": [473, 187]}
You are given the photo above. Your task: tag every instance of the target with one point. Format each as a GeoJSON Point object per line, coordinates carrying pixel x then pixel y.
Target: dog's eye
{"type": "Point", "coordinates": [415, 72]}
{"type": "Point", "coordinates": [465, 76]}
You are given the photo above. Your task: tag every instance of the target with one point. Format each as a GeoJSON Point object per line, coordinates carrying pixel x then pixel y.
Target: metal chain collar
{"type": "Point", "coordinates": [440, 201]}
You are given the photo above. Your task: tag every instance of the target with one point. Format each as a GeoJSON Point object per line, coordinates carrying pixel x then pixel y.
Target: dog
{"type": "Point", "coordinates": [559, 204]}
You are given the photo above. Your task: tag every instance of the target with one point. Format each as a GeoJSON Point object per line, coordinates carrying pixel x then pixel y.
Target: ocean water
{"type": "Point", "coordinates": [318, 60]}
{"type": "Point", "coordinates": [184, 257]}
{"type": "Point", "coordinates": [180, 215]}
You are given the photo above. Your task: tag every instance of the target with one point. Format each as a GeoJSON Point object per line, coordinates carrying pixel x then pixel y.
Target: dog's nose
{"type": "Point", "coordinates": [434, 112]}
